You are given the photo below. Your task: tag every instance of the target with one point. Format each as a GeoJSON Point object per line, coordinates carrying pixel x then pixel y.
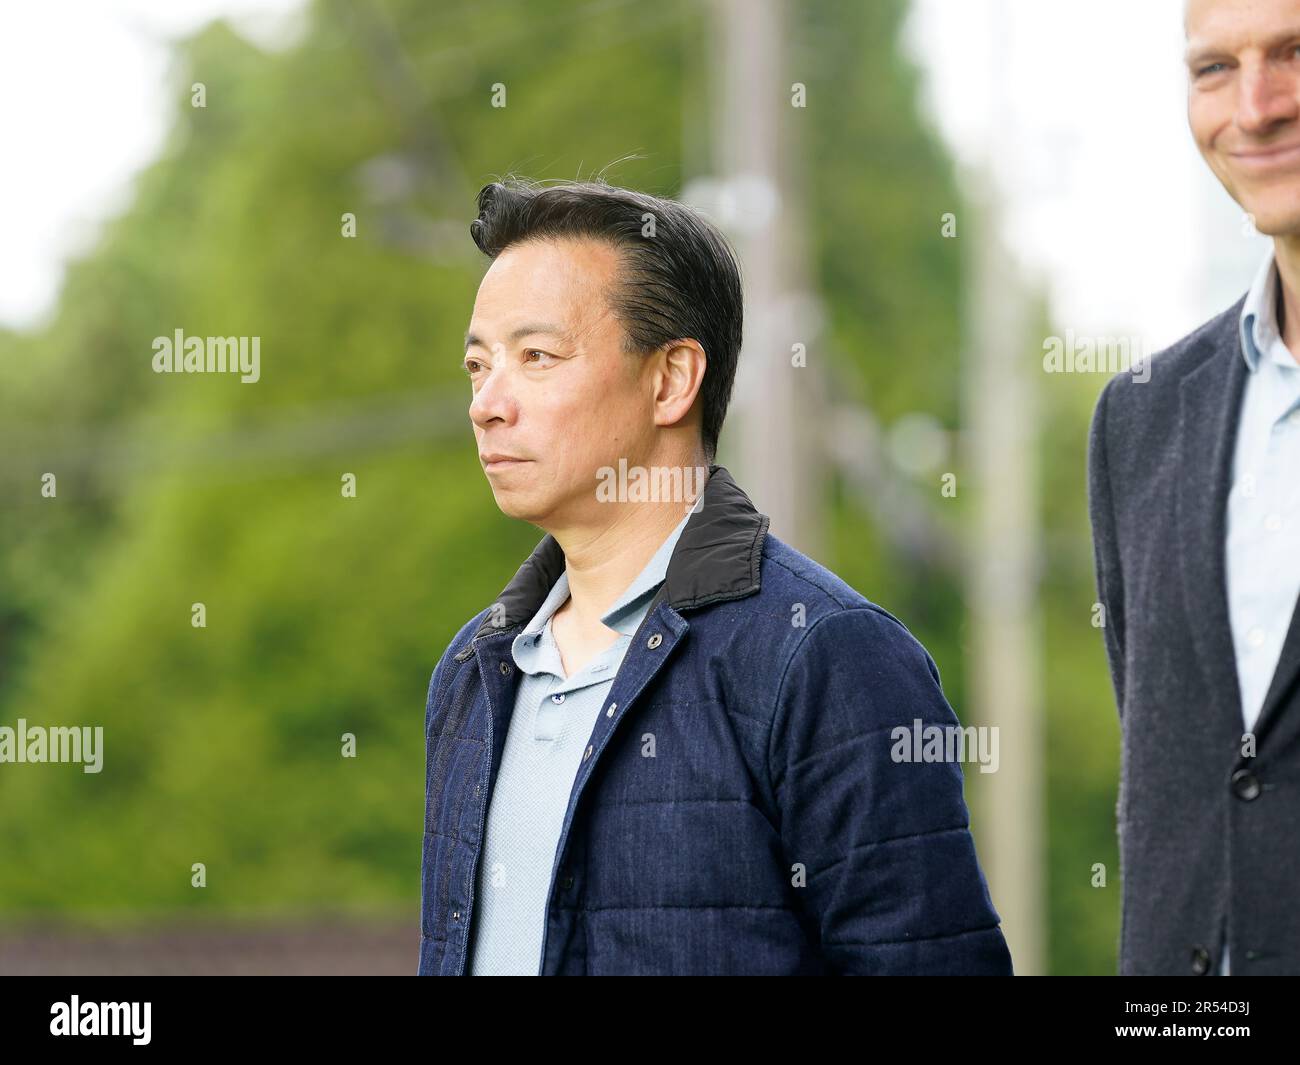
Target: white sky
{"type": "Point", "coordinates": [82, 109]}
{"type": "Point", "coordinates": [1108, 204]}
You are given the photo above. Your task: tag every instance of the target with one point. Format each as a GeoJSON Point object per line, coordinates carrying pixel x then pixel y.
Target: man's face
{"type": "Point", "coordinates": [551, 383]}
{"type": "Point", "coordinates": [1243, 103]}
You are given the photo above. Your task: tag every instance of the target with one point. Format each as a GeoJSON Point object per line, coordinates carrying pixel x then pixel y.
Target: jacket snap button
{"type": "Point", "coordinates": [505, 669]}
{"type": "Point", "coordinates": [455, 915]}
{"type": "Point", "coordinates": [1200, 961]}
{"type": "Point", "coordinates": [654, 641]}
{"type": "Point", "coordinates": [1245, 784]}
{"type": "Point", "coordinates": [587, 754]}
{"type": "Point", "coordinates": [612, 708]}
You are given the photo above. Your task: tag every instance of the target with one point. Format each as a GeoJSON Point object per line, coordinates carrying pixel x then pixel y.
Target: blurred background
{"type": "Point", "coordinates": [922, 195]}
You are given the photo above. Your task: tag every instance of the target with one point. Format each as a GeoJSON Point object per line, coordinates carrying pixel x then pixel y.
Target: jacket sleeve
{"type": "Point", "coordinates": [879, 848]}
{"type": "Point", "coordinates": [1105, 545]}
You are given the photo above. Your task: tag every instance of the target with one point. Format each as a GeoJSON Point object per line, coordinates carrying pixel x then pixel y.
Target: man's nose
{"type": "Point", "coordinates": [1267, 98]}
{"type": "Point", "coordinates": [493, 399]}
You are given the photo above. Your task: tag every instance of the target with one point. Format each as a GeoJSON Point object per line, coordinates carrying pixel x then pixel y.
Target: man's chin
{"type": "Point", "coordinates": [1277, 220]}
{"type": "Point", "coordinates": [519, 505]}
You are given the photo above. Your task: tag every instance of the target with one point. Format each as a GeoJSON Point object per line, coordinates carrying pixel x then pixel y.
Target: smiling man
{"type": "Point", "coordinates": [1194, 486]}
{"type": "Point", "coordinates": [666, 747]}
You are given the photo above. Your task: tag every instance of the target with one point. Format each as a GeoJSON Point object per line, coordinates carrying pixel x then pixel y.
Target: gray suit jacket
{"type": "Point", "coordinates": [1209, 839]}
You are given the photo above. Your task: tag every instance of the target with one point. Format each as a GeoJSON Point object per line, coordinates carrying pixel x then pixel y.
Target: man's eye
{"type": "Point", "coordinates": [1210, 69]}
{"type": "Point", "coordinates": [470, 366]}
{"type": "Point", "coordinates": [535, 351]}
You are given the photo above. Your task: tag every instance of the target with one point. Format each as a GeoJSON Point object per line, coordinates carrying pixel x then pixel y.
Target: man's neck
{"type": "Point", "coordinates": [1286, 251]}
{"type": "Point", "coordinates": [602, 561]}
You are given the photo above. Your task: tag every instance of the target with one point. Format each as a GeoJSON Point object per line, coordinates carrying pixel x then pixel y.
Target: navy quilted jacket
{"type": "Point", "coordinates": [772, 833]}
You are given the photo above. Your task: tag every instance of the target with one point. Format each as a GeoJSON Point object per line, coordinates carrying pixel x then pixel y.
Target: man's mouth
{"type": "Point", "coordinates": [1260, 160]}
{"type": "Point", "coordinates": [493, 461]}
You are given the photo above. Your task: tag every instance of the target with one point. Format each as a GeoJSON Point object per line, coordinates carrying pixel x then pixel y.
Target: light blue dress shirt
{"type": "Point", "coordinates": [1262, 547]}
{"type": "Point", "coordinates": [548, 736]}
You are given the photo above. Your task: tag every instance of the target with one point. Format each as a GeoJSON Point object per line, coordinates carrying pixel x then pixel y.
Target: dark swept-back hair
{"type": "Point", "coordinates": [681, 283]}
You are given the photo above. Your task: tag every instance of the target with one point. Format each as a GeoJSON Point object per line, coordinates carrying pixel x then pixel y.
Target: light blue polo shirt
{"type": "Point", "coordinates": [553, 719]}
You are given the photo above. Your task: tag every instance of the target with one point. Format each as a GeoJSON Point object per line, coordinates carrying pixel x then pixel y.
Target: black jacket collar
{"type": "Point", "coordinates": [716, 558]}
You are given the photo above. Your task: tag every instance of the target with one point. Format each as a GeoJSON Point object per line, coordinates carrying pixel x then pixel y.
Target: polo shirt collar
{"type": "Point", "coordinates": [1259, 332]}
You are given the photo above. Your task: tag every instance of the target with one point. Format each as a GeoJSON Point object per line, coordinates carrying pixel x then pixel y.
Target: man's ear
{"type": "Point", "coordinates": [682, 364]}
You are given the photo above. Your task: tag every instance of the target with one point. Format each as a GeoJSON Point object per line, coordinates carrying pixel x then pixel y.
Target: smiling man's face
{"type": "Point", "coordinates": [552, 385]}
{"type": "Point", "coordinates": [1243, 103]}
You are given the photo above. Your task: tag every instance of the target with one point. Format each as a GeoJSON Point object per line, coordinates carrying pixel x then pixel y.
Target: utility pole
{"type": "Point", "coordinates": [1001, 430]}
{"type": "Point", "coordinates": [776, 401]}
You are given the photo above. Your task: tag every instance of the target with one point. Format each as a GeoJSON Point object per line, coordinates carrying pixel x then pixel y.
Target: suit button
{"type": "Point", "coordinates": [1200, 961]}
{"type": "Point", "coordinates": [505, 669]}
{"type": "Point", "coordinates": [654, 641]}
{"type": "Point", "coordinates": [1245, 784]}
{"type": "Point", "coordinates": [568, 883]}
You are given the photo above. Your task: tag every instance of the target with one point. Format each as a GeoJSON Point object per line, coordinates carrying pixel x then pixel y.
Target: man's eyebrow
{"type": "Point", "coordinates": [528, 329]}
{"type": "Point", "coordinates": [1194, 57]}
{"type": "Point", "coordinates": [1198, 54]}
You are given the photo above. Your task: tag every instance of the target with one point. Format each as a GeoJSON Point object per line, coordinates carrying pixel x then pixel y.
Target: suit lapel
{"type": "Point", "coordinates": [1210, 399]}
{"type": "Point", "coordinates": [1284, 677]}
